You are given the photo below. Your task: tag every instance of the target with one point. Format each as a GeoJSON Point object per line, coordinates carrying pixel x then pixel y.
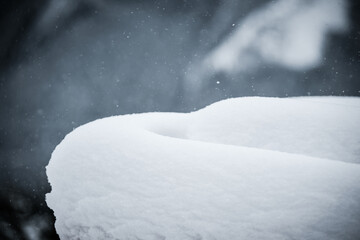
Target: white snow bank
{"type": "Point", "coordinates": [225, 172]}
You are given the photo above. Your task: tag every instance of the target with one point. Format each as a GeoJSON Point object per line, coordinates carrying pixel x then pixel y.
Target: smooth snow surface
{"type": "Point", "coordinates": [245, 168]}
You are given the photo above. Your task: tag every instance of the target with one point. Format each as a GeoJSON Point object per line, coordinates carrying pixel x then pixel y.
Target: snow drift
{"type": "Point", "coordinates": [246, 168]}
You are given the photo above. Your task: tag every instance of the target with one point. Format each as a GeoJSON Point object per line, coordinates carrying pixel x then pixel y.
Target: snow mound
{"type": "Point", "coordinates": [246, 168]}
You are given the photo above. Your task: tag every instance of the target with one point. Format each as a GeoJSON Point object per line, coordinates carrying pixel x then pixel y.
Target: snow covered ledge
{"type": "Point", "coordinates": [246, 168]}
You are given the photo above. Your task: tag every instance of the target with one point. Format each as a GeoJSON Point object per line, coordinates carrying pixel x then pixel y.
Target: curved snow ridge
{"type": "Point", "coordinates": [219, 175]}
{"type": "Point", "coordinates": [323, 127]}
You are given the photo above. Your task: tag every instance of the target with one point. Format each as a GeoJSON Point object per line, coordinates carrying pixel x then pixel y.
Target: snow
{"type": "Point", "coordinates": [288, 33]}
{"type": "Point", "coordinates": [245, 168]}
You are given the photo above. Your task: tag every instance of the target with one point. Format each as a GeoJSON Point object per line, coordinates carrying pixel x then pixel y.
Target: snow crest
{"type": "Point", "coordinates": [245, 168]}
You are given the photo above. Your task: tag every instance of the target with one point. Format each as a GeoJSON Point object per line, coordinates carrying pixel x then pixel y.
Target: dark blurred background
{"type": "Point", "coordinates": [64, 63]}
